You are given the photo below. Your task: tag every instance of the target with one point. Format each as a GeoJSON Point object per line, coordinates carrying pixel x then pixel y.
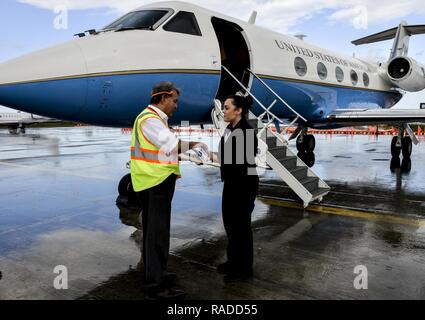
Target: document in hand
{"type": "Point", "coordinates": [202, 154]}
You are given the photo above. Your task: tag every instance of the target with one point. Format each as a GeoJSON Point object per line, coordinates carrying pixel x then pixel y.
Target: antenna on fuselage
{"type": "Point", "coordinates": [253, 17]}
{"type": "Point", "coordinates": [300, 36]}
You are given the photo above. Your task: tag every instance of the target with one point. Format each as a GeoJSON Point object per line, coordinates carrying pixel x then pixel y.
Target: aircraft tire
{"type": "Point", "coordinates": [13, 130]}
{"type": "Point", "coordinates": [309, 143]}
{"type": "Point", "coordinates": [395, 164]}
{"type": "Point", "coordinates": [300, 145]}
{"type": "Point", "coordinates": [395, 151]}
{"type": "Point", "coordinates": [406, 147]}
{"type": "Point", "coordinates": [309, 158]}
{"type": "Point", "coordinates": [406, 165]}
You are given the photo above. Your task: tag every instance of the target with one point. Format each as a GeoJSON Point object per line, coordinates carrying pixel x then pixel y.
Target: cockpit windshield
{"type": "Point", "coordinates": [145, 19]}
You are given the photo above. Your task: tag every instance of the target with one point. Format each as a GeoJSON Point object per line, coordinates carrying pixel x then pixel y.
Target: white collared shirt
{"type": "Point", "coordinates": [158, 133]}
{"type": "Point", "coordinates": [227, 134]}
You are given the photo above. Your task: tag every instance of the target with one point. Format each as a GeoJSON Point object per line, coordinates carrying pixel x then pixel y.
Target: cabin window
{"type": "Point", "coordinates": [145, 19]}
{"type": "Point", "coordinates": [354, 77]}
{"type": "Point", "coordinates": [339, 74]}
{"type": "Point", "coordinates": [300, 66]}
{"type": "Point", "coordinates": [366, 80]}
{"type": "Point", "coordinates": [322, 71]}
{"type": "Point", "coordinates": [184, 22]}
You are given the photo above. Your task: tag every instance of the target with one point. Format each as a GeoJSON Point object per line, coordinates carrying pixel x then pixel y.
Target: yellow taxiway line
{"type": "Point", "coordinates": [340, 211]}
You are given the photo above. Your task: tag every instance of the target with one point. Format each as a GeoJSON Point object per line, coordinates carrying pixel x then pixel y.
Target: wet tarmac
{"type": "Point", "coordinates": [58, 189]}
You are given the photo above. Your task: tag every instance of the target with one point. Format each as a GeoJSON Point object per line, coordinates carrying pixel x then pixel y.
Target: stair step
{"type": "Point", "coordinates": [273, 142]}
{"type": "Point", "coordinates": [279, 152]}
{"type": "Point", "coordinates": [299, 172]}
{"type": "Point", "coordinates": [278, 149]}
{"type": "Point", "coordinates": [319, 191]}
{"type": "Point", "coordinates": [310, 183]}
{"type": "Point", "coordinates": [289, 162]}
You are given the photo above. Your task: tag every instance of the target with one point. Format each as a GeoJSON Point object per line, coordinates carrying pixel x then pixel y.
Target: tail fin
{"type": "Point", "coordinates": [401, 34]}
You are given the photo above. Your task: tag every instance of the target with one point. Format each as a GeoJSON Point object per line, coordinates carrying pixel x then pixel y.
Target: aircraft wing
{"type": "Point", "coordinates": [364, 117]}
{"type": "Point", "coordinates": [27, 121]}
{"type": "Point", "coordinates": [33, 121]}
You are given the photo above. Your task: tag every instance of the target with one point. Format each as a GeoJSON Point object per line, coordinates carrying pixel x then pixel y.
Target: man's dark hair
{"type": "Point", "coordinates": [164, 88]}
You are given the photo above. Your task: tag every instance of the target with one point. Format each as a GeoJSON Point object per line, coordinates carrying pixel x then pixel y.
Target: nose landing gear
{"type": "Point", "coordinates": [306, 143]}
{"type": "Point", "coordinates": [16, 129]}
{"type": "Point", "coordinates": [404, 146]}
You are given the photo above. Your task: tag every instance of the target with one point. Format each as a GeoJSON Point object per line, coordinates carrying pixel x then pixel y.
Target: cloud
{"type": "Point", "coordinates": [358, 16]}
{"type": "Point", "coordinates": [275, 14]}
{"type": "Point", "coordinates": [357, 10]}
{"type": "Point", "coordinates": [120, 6]}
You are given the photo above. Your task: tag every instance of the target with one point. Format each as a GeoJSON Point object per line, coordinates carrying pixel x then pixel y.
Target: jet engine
{"type": "Point", "coordinates": [406, 74]}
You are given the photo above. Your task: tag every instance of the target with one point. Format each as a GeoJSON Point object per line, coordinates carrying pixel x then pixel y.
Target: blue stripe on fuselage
{"type": "Point", "coordinates": [315, 102]}
{"type": "Point", "coordinates": [116, 100]}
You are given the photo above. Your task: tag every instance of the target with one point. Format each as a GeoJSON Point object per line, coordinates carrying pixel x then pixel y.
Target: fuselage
{"type": "Point", "coordinates": [106, 79]}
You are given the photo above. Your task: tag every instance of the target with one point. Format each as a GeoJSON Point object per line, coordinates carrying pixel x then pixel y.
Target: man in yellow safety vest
{"type": "Point", "coordinates": [154, 170]}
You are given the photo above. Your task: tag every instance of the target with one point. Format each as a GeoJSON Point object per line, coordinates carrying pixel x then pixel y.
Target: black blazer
{"type": "Point", "coordinates": [237, 153]}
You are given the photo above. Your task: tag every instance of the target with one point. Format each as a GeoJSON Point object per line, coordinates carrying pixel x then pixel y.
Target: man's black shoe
{"type": "Point", "coordinates": [238, 276]}
{"type": "Point", "coordinates": [168, 294]}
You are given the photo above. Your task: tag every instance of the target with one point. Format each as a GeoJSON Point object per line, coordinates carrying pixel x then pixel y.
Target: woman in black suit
{"type": "Point", "coordinates": [237, 151]}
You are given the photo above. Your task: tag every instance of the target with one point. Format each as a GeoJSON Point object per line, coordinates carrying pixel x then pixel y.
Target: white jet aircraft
{"type": "Point", "coordinates": [18, 121]}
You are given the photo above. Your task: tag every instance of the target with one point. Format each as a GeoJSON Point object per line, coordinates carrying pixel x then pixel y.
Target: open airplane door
{"type": "Point", "coordinates": [235, 56]}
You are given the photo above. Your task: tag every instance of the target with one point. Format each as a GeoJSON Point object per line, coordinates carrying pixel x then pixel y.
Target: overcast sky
{"type": "Point", "coordinates": [28, 25]}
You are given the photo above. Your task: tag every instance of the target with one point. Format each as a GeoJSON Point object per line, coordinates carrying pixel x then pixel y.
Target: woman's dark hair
{"type": "Point", "coordinates": [244, 102]}
{"type": "Point", "coordinates": [164, 88]}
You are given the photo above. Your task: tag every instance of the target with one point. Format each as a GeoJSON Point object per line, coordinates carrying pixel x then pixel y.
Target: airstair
{"type": "Point", "coordinates": [274, 151]}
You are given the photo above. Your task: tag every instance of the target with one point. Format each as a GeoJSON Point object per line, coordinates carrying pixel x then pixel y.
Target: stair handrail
{"type": "Point", "coordinates": [254, 97]}
{"type": "Point", "coordinates": [276, 95]}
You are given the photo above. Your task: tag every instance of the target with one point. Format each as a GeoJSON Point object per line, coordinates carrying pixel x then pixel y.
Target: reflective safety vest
{"type": "Point", "coordinates": [149, 165]}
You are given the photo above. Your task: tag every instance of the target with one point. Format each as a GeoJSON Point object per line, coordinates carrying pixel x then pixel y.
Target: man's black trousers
{"type": "Point", "coordinates": [237, 206]}
{"type": "Point", "coordinates": [156, 216]}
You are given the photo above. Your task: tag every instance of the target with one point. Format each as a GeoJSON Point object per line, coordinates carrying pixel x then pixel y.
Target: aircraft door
{"type": "Point", "coordinates": [235, 55]}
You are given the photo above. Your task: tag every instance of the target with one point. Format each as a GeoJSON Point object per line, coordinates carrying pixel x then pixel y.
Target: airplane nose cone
{"type": "Point", "coordinates": [48, 82]}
